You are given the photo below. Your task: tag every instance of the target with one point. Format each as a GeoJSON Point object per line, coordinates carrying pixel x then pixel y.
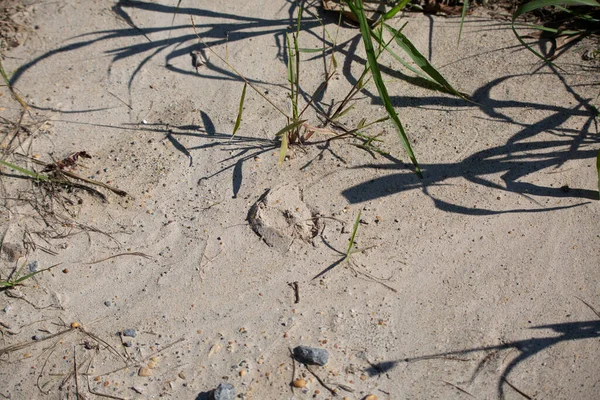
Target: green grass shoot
{"type": "Point", "coordinates": [27, 172]}
{"type": "Point", "coordinates": [10, 87]}
{"type": "Point", "coordinates": [598, 169]}
{"type": "Point", "coordinates": [353, 236]}
{"type": "Point", "coordinates": [285, 138]}
{"type": "Point", "coordinates": [422, 61]}
{"type": "Point", "coordinates": [465, 8]}
{"type": "Point", "coordinates": [238, 120]}
{"type": "Point", "coordinates": [537, 4]}
{"type": "Point", "coordinates": [359, 12]}
{"type": "Point", "coordinates": [17, 280]}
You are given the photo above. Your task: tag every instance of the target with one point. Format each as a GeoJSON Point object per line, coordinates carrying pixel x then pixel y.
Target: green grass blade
{"type": "Point", "coordinates": [551, 30]}
{"type": "Point", "coordinates": [238, 121]}
{"type": "Point", "coordinates": [285, 139]}
{"type": "Point", "coordinates": [353, 236]}
{"type": "Point", "coordinates": [421, 61]}
{"type": "Point", "coordinates": [392, 13]}
{"type": "Point", "coordinates": [462, 18]}
{"type": "Point", "coordinates": [306, 50]}
{"type": "Point", "coordinates": [24, 277]}
{"type": "Point", "coordinates": [283, 149]}
{"type": "Point", "coordinates": [291, 126]}
{"type": "Point", "coordinates": [27, 172]}
{"type": "Point", "coordinates": [598, 169]}
{"type": "Point", "coordinates": [10, 87]}
{"type": "Point", "coordinates": [536, 4]}
{"type": "Point", "coordinates": [357, 9]}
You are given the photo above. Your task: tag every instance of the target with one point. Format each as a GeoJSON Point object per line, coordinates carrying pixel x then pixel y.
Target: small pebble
{"type": "Point", "coordinates": [225, 391]}
{"type": "Point", "coordinates": [371, 397]}
{"type": "Point", "coordinates": [32, 266]}
{"type": "Point", "coordinates": [107, 303]}
{"type": "Point", "coordinates": [38, 337]}
{"type": "Point", "coordinates": [65, 271]}
{"type": "Point", "coordinates": [311, 355]}
{"type": "Point", "coordinates": [144, 371]}
{"type": "Point", "coordinates": [129, 332]}
{"type": "Point", "coordinates": [128, 343]}
{"type": "Point", "coordinates": [182, 375]}
{"type": "Point", "coordinates": [299, 383]}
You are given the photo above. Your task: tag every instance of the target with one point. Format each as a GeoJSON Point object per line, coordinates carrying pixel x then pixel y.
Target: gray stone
{"type": "Point", "coordinates": [129, 332]}
{"type": "Point", "coordinates": [311, 355]}
{"type": "Point", "coordinates": [32, 266]}
{"type": "Point", "coordinates": [225, 391]}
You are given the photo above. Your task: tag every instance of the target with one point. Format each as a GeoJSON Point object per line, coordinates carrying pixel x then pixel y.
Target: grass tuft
{"type": "Point", "coordinates": [359, 12]}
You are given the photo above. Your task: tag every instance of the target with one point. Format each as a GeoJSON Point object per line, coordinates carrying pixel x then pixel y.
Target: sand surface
{"type": "Point", "coordinates": [466, 283]}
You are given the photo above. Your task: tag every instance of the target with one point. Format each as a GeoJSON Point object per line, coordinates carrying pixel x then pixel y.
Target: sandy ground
{"type": "Point", "coordinates": [469, 282]}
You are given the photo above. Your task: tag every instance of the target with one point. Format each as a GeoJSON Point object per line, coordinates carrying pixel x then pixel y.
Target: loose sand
{"type": "Point", "coordinates": [469, 280]}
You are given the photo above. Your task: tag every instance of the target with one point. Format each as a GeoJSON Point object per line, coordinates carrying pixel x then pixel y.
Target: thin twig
{"type": "Point", "coordinates": [333, 392]}
{"type": "Point", "coordinates": [516, 389]}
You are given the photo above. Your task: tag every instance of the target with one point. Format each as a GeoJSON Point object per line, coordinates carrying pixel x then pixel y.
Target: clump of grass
{"type": "Point", "coordinates": [589, 15]}
{"type": "Point", "coordinates": [16, 278]}
{"type": "Point", "coordinates": [297, 128]}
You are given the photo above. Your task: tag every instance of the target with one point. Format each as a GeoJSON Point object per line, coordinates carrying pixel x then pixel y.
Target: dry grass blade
{"type": "Point", "coordinates": [138, 254]}
{"type": "Point", "coordinates": [10, 87]}
{"type": "Point", "coordinates": [517, 389]}
{"type": "Point", "coordinates": [51, 167]}
{"type": "Point", "coordinates": [459, 389]}
{"type": "Point", "coordinates": [257, 90]}
{"type": "Point", "coordinates": [589, 306]}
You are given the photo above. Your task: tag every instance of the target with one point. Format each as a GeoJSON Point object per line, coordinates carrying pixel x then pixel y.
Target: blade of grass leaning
{"type": "Point", "coordinates": [283, 149]}
{"type": "Point", "coordinates": [465, 7]}
{"type": "Point", "coordinates": [291, 75]}
{"type": "Point", "coordinates": [235, 71]}
{"type": "Point", "coordinates": [238, 121]}
{"type": "Point", "coordinates": [359, 12]}
{"type": "Point", "coordinates": [392, 13]}
{"type": "Point", "coordinates": [289, 127]}
{"type": "Point", "coordinates": [353, 236]}
{"type": "Point", "coordinates": [15, 282]}
{"type": "Point", "coordinates": [536, 4]}
{"type": "Point", "coordinates": [10, 87]}
{"type": "Point", "coordinates": [598, 169]}
{"type": "Point", "coordinates": [27, 172]}
{"type": "Point", "coordinates": [284, 138]}
{"type": "Point", "coordinates": [422, 61]}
